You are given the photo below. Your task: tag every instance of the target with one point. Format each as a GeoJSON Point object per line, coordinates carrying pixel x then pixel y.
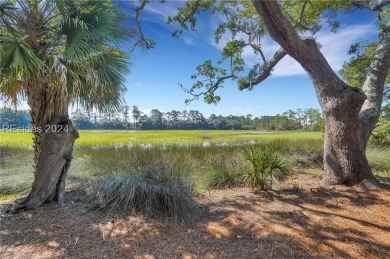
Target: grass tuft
{"type": "Point", "coordinates": [161, 187]}
{"type": "Point", "coordinates": [136, 194]}
{"type": "Point", "coordinates": [224, 170]}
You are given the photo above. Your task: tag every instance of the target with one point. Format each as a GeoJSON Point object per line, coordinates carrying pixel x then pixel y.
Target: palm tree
{"type": "Point", "coordinates": [266, 166]}
{"type": "Point", "coordinates": [54, 53]}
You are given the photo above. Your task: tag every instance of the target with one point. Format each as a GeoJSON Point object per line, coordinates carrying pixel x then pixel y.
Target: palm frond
{"type": "Point", "coordinates": [18, 58]}
{"type": "Point", "coordinates": [66, 49]}
{"type": "Point", "coordinates": [98, 82]}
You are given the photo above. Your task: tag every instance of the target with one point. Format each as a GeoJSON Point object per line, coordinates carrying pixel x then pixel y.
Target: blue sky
{"type": "Point", "coordinates": [157, 72]}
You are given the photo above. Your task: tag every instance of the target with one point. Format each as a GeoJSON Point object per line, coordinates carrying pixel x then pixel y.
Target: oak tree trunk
{"type": "Point", "coordinates": [350, 113]}
{"type": "Point", "coordinates": [345, 161]}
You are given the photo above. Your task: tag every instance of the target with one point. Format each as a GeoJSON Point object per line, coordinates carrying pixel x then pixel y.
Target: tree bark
{"type": "Point", "coordinates": [54, 138]}
{"type": "Point", "coordinates": [345, 161]}
{"type": "Point", "coordinates": [52, 165]}
{"type": "Point", "coordinates": [373, 86]}
{"type": "Point", "coordinates": [346, 135]}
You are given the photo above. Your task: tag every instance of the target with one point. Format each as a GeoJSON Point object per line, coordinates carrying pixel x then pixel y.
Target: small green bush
{"type": "Point", "coordinates": [381, 134]}
{"type": "Point", "coordinates": [266, 167]}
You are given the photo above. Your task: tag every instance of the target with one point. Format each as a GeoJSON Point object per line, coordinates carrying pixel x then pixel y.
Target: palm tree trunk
{"type": "Point", "coordinates": [53, 147]}
{"type": "Point", "coordinates": [35, 101]}
{"type": "Point", "coordinates": [53, 163]}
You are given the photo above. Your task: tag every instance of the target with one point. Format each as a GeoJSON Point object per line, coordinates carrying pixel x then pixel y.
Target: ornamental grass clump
{"type": "Point", "coordinates": [266, 168]}
{"type": "Point", "coordinates": [162, 192]}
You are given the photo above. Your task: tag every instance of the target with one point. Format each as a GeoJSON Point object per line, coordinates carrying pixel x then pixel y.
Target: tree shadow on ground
{"type": "Point", "coordinates": [313, 223]}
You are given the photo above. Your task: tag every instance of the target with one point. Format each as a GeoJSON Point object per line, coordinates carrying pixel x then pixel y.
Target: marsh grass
{"type": "Point", "coordinates": [16, 172]}
{"type": "Point", "coordinates": [104, 138]}
{"type": "Point", "coordinates": [222, 170]}
{"type": "Point", "coordinates": [173, 155]}
{"type": "Point", "coordinates": [379, 158]}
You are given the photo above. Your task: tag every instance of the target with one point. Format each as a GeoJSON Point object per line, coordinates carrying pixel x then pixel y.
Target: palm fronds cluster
{"type": "Point", "coordinates": [56, 52]}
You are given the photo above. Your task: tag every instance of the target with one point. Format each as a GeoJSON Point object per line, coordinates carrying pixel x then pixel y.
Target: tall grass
{"type": "Point", "coordinates": [16, 172]}
{"type": "Point", "coordinates": [143, 194]}
{"type": "Point", "coordinates": [159, 184]}
{"type": "Point", "coordinates": [214, 165]}
{"type": "Point", "coordinates": [222, 170]}
{"type": "Point", "coordinates": [99, 138]}
{"type": "Point", "coordinates": [379, 158]}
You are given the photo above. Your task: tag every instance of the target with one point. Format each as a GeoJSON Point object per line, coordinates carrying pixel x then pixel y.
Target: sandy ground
{"type": "Point", "coordinates": [301, 220]}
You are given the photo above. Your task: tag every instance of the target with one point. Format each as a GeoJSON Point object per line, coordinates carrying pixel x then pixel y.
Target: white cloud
{"type": "Point", "coordinates": [159, 13]}
{"type": "Point", "coordinates": [335, 47]}
{"type": "Point", "coordinates": [146, 110]}
{"type": "Point", "coordinates": [189, 41]}
{"type": "Point", "coordinates": [156, 10]}
{"type": "Point", "coordinates": [288, 67]}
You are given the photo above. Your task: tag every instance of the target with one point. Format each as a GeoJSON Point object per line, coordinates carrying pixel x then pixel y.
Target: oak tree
{"type": "Point", "coordinates": [351, 113]}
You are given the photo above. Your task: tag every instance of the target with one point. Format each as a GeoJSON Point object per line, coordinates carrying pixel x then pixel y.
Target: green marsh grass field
{"type": "Point", "coordinates": [197, 154]}
{"type": "Point", "coordinates": [160, 137]}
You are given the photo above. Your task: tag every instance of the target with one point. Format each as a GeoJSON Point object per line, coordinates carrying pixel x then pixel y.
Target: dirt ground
{"type": "Point", "coordinates": [301, 220]}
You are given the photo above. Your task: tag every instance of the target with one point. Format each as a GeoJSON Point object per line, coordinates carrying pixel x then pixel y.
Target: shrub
{"type": "Point", "coordinates": [266, 167]}
{"type": "Point", "coordinates": [381, 134]}
{"type": "Point", "coordinates": [257, 166]}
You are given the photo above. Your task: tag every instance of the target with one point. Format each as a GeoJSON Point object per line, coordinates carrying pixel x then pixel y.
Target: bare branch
{"type": "Point", "coordinates": [256, 47]}
{"type": "Point", "coordinates": [261, 54]}
{"type": "Point", "coordinates": [142, 39]}
{"type": "Point", "coordinates": [267, 68]}
{"type": "Point", "coordinates": [372, 5]}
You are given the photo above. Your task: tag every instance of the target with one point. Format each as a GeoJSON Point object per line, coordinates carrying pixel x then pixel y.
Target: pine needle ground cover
{"type": "Point", "coordinates": [294, 220]}
{"type": "Point", "coordinates": [305, 222]}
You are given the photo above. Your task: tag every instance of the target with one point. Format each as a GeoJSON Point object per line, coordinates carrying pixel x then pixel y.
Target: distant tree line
{"type": "Point", "coordinates": [15, 119]}
{"type": "Point", "coordinates": [133, 118]}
